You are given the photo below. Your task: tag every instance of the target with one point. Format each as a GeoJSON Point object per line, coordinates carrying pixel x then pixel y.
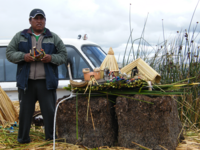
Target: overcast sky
{"type": "Point", "coordinates": [106, 22]}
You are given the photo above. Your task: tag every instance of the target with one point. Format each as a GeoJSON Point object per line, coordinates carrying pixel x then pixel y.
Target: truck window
{"type": "Point", "coordinates": [77, 62]}
{"type": "Point", "coordinates": [7, 69]}
{"type": "Point", "coordinates": [63, 72]}
{"type": "Point", "coordinates": [95, 54]}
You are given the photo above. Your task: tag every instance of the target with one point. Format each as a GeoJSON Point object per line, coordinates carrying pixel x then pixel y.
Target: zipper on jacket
{"type": "Point", "coordinates": [20, 70]}
{"type": "Point", "coordinates": [35, 70]}
{"type": "Point", "coordinates": [35, 62]}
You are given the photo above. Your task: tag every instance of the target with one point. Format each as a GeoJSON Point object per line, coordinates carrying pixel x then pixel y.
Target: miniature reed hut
{"type": "Point", "coordinates": [110, 62]}
{"type": "Point", "coordinates": [144, 70]}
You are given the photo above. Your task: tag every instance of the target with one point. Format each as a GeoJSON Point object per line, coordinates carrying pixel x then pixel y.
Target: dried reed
{"type": "Point", "coordinates": [110, 62]}
{"type": "Point", "coordinates": [147, 72]}
{"type": "Point", "coordinates": [8, 112]}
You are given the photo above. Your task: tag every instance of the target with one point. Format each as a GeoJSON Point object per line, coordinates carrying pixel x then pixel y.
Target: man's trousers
{"type": "Point", "coordinates": [47, 99]}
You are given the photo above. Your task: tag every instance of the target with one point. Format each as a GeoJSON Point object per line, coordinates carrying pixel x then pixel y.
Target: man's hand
{"type": "Point", "coordinates": [28, 58]}
{"type": "Point", "coordinates": [46, 58]}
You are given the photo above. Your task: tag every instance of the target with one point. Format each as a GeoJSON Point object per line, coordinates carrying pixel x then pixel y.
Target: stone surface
{"type": "Point", "coordinates": [105, 133]}
{"type": "Point", "coordinates": [149, 125]}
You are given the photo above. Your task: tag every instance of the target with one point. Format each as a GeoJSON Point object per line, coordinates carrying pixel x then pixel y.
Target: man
{"type": "Point", "coordinates": [36, 80]}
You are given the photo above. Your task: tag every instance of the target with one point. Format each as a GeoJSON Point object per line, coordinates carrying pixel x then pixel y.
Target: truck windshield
{"type": "Point", "coordinates": [95, 54]}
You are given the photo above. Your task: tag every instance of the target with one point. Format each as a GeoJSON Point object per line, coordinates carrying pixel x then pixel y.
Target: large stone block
{"type": "Point", "coordinates": [149, 125]}
{"type": "Point", "coordinates": [103, 117]}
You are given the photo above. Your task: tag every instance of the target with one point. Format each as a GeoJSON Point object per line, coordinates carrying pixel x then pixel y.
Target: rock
{"type": "Point", "coordinates": [105, 133]}
{"type": "Point", "coordinates": [149, 125]}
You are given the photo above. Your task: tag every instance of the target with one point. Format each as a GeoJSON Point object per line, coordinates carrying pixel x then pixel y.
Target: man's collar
{"type": "Point", "coordinates": [29, 31]}
{"type": "Point", "coordinates": [47, 32]}
{"type": "Point", "coordinates": [39, 34]}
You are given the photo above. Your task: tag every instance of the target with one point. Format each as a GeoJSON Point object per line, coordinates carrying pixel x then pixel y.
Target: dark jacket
{"type": "Point", "coordinates": [52, 45]}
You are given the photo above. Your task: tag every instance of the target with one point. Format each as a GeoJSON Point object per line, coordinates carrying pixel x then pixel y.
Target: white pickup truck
{"type": "Point", "coordinates": [80, 54]}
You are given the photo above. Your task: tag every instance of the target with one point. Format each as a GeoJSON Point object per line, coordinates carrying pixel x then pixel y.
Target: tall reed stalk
{"type": "Point", "coordinates": [175, 59]}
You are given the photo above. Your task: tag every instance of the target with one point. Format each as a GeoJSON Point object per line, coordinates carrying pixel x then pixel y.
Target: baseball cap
{"type": "Point", "coordinates": [35, 12]}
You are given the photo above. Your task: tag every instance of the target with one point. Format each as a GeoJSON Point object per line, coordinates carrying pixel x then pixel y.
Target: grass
{"type": "Point", "coordinates": [8, 140]}
{"type": "Point", "coordinates": [178, 61]}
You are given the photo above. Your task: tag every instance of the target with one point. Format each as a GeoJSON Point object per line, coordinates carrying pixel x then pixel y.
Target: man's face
{"type": "Point", "coordinates": [38, 23]}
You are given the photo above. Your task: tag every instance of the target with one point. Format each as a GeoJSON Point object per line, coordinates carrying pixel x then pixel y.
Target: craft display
{"type": "Point", "coordinates": [137, 74]}
{"type": "Point", "coordinates": [36, 54]}
{"type": "Point", "coordinates": [137, 70]}
{"type": "Point", "coordinates": [144, 70]}
{"type": "Point", "coordinates": [88, 74]}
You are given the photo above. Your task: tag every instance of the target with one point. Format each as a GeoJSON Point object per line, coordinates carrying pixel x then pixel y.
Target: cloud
{"type": "Point", "coordinates": [105, 22]}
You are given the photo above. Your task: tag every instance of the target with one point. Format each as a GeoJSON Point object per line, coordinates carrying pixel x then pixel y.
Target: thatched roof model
{"type": "Point", "coordinates": [147, 72]}
{"type": "Point", "coordinates": [110, 62]}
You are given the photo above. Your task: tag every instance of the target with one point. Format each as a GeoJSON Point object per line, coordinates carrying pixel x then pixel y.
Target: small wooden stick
{"type": "Point", "coordinates": [163, 147]}
{"type": "Point", "coordinates": [92, 119]}
{"type": "Point", "coordinates": [88, 103]}
{"type": "Point", "coordinates": [141, 146]}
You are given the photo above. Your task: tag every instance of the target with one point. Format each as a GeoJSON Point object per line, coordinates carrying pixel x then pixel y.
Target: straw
{"type": "Point", "coordinates": [110, 61]}
{"type": "Point", "coordinates": [7, 110]}
{"type": "Point", "coordinates": [147, 72]}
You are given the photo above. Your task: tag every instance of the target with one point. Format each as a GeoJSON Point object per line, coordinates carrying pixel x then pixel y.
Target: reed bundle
{"type": "Point", "coordinates": [110, 62]}
{"type": "Point", "coordinates": [8, 112]}
{"type": "Point", "coordinates": [145, 70]}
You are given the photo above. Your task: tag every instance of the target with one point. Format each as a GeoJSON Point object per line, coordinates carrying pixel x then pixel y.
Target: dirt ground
{"type": "Point", "coordinates": [191, 142]}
